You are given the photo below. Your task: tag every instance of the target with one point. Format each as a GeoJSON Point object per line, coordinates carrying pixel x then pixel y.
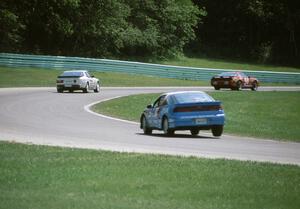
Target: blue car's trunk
{"type": "Point", "coordinates": [197, 107]}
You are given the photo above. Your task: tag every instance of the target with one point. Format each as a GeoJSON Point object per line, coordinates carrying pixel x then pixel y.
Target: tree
{"type": "Point", "coordinates": [10, 28]}
{"type": "Point", "coordinates": [262, 30]}
{"type": "Point", "coordinates": [98, 28]}
{"type": "Point", "coordinates": [159, 28]}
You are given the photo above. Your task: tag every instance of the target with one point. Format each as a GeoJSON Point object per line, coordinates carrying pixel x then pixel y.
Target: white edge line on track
{"type": "Point", "coordinates": [88, 109]}
{"type": "Point", "coordinates": [113, 149]}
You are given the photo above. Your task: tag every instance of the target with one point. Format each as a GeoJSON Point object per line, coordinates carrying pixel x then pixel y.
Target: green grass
{"type": "Point", "coordinates": [27, 77]}
{"type": "Point", "coordinates": [31, 77]}
{"type": "Point", "coordinates": [35, 77]}
{"type": "Point", "coordinates": [272, 115]}
{"type": "Point", "coordinates": [49, 177]}
{"type": "Point", "coordinates": [129, 107]}
{"type": "Point", "coordinates": [224, 64]}
{"type": "Point", "coordinates": [122, 79]}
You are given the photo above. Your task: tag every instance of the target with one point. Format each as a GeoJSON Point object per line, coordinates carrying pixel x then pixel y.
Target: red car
{"type": "Point", "coordinates": [234, 81]}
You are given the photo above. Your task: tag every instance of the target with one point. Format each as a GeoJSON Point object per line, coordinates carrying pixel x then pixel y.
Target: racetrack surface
{"type": "Point", "coordinates": [42, 116]}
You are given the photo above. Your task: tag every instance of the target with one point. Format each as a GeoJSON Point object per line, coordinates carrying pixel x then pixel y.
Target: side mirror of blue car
{"type": "Point", "coordinates": [149, 106]}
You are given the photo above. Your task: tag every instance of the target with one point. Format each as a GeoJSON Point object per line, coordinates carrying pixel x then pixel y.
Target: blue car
{"type": "Point", "coordinates": [185, 110]}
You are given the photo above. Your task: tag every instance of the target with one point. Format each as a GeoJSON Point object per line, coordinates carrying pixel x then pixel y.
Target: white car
{"type": "Point", "coordinates": [77, 80]}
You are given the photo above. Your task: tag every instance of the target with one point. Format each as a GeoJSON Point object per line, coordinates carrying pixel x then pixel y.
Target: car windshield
{"type": "Point", "coordinates": [227, 74]}
{"type": "Point", "coordinates": [72, 74]}
{"type": "Point", "coordinates": [192, 97]}
{"type": "Point", "coordinates": [243, 74]}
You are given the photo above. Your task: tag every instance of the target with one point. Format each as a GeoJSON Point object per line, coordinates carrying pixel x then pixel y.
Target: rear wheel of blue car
{"type": "Point", "coordinates": [145, 127]}
{"type": "Point", "coordinates": [217, 130]}
{"type": "Point", "coordinates": [166, 129]}
{"type": "Point", "coordinates": [194, 132]}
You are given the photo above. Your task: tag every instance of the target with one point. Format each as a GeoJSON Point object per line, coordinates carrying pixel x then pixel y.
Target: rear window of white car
{"type": "Point", "coordinates": [72, 74]}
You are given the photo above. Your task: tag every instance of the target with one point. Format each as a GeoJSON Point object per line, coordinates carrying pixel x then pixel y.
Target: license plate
{"type": "Point", "coordinates": [201, 121]}
{"type": "Point", "coordinates": [68, 83]}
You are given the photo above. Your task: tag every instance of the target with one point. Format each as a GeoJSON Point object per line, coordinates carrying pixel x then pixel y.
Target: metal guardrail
{"type": "Point", "coordinates": [105, 65]}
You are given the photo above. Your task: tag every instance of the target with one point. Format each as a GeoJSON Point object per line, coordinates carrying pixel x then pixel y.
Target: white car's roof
{"type": "Point", "coordinates": [71, 71]}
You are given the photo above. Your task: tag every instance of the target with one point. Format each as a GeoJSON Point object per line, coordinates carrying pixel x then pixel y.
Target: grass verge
{"type": "Point", "coordinates": [30, 77]}
{"type": "Point", "coordinates": [272, 115]}
{"type": "Point", "coordinates": [35, 77]}
{"type": "Point", "coordinates": [223, 64]}
{"type": "Point", "coordinates": [48, 177]}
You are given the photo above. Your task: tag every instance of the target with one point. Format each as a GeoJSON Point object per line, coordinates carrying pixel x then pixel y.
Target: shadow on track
{"type": "Point", "coordinates": [186, 136]}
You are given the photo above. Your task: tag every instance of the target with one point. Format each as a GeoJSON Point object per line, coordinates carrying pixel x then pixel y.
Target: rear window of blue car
{"type": "Point", "coordinates": [192, 98]}
{"type": "Point", "coordinates": [72, 74]}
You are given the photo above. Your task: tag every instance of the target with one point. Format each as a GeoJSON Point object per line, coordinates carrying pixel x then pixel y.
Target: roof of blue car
{"type": "Point", "coordinates": [71, 71]}
{"type": "Point", "coordinates": [182, 92]}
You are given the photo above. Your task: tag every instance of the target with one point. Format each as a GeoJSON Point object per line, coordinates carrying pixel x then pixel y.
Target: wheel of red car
{"type": "Point", "coordinates": [239, 85]}
{"type": "Point", "coordinates": [254, 86]}
{"type": "Point", "coordinates": [145, 127]}
{"type": "Point", "coordinates": [217, 88]}
{"type": "Point", "coordinates": [166, 129]}
{"type": "Point", "coordinates": [217, 130]}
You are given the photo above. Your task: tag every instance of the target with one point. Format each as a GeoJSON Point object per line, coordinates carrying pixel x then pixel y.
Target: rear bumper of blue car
{"type": "Point", "coordinates": [201, 121]}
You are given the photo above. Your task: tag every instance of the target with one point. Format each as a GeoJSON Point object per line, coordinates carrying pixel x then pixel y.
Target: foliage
{"type": "Point", "coordinates": [98, 28]}
{"type": "Point", "coordinates": [267, 31]}
{"type": "Point", "coordinates": [264, 31]}
{"type": "Point", "coordinates": [9, 30]}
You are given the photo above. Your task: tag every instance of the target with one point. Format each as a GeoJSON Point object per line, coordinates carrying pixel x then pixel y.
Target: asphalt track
{"type": "Point", "coordinates": [42, 116]}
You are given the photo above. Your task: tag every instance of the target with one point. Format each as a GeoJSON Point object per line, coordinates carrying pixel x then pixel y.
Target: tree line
{"type": "Point", "coordinates": [98, 28]}
{"type": "Point", "coordinates": [265, 31]}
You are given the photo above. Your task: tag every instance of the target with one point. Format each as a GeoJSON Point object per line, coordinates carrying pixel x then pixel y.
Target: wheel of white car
{"type": "Point", "coordinates": [86, 89]}
{"type": "Point", "coordinates": [97, 89]}
{"type": "Point", "coordinates": [166, 129]}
